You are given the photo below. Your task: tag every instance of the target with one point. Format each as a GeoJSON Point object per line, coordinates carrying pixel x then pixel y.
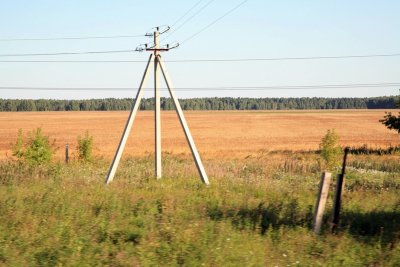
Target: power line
{"type": "Point", "coordinates": [215, 88]}
{"type": "Point", "coordinates": [189, 19]}
{"type": "Point", "coordinates": [290, 58]}
{"type": "Point", "coordinates": [71, 38]}
{"type": "Point", "coordinates": [215, 21]}
{"type": "Point", "coordinates": [68, 53]}
{"type": "Point", "coordinates": [189, 60]}
{"type": "Point", "coordinates": [187, 12]}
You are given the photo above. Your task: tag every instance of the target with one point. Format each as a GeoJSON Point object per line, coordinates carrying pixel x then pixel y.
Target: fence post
{"type": "Point", "coordinates": [321, 201]}
{"type": "Point", "coordinates": [338, 192]}
{"type": "Point", "coordinates": [66, 153]}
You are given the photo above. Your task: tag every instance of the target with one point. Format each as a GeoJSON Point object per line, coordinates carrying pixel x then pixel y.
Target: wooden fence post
{"type": "Point", "coordinates": [321, 201]}
{"type": "Point", "coordinates": [338, 192]}
{"type": "Point", "coordinates": [66, 154]}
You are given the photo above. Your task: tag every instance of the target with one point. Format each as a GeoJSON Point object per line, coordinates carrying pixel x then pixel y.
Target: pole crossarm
{"type": "Point", "coordinates": [157, 49]}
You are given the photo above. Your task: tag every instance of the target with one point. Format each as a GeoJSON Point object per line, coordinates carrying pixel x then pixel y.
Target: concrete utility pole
{"type": "Point", "coordinates": [158, 64]}
{"type": "Point", "coordinates": [157, 107]}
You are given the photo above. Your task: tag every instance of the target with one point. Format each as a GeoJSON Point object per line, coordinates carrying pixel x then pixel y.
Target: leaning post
{"type": "Point", "coordinates": [338, 192]}
{"type": "Point", "coordinates": [321, 201]}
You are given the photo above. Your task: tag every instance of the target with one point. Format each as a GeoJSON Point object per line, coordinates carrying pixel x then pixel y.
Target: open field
{"type": "Point", "coordinates": [225, 134]}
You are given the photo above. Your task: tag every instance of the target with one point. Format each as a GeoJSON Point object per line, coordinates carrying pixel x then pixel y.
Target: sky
{"type": "Point", "coordinates": [256, 29]}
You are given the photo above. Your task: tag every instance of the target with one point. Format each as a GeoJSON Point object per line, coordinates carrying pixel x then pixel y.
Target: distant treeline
{"type": "Point", "coordinates": [215, 103]}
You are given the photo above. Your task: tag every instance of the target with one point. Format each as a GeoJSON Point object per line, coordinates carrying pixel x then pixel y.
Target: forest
{"type": "Point", "coordinates": [214, 103]}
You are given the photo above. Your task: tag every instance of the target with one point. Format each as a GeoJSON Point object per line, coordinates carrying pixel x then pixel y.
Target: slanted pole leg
{"type": "Point", "coordinates": [128, 126]}
{"type": "Point", "coordinates": [185, 127]}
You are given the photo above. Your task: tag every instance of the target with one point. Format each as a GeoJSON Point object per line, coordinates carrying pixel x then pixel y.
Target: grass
{"type": "Point", "coordinates": [256, 212]}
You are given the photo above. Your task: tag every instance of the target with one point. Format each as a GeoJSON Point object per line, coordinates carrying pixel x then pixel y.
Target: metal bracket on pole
{"type": "Point", "coordinates": [128, 126]}
{"type": "Point", "coordinates": [185, 127]}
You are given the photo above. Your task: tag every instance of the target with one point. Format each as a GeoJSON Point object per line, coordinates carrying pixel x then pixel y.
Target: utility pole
{"type": "Point", "coordinates": [158, 65]}
{"type": "Point", "coordinates": [157, 107]}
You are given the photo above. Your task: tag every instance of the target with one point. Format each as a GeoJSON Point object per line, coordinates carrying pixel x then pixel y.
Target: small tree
{"type": "Point", "coordinates": [37, 150]}
{"type": "Point", "coordinates": [330, 149]}
{"type": "Point", "coordinates": [85, 147]}
{"type": "Point", "coordinates": [391, 121]}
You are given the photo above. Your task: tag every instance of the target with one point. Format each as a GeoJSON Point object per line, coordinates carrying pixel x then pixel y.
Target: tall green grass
{"type": "Point", "coordinates": [256, 212]}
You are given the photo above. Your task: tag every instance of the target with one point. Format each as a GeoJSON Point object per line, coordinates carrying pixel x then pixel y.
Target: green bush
{"type": "Point", "coordinates": [37, 149]}
{"type": "Point", "coordinates": [330, 150]}
{"type": "Point", "coordinates": [85, 147]}
{"type": "Point", "coordinates": [392, 122]}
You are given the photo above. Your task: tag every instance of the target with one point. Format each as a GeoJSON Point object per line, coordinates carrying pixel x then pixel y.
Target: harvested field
{"type": "Point", "coordinates": [227, 134]}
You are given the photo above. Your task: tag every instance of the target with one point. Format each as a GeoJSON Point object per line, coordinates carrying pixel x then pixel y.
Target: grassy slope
{"type": "Point", "coordinates": [257, 212]}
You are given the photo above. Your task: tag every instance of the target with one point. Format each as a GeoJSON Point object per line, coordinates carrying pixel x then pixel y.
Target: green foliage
{"type": "Point", "coordinates": [37, 150]}
{"type": "Point", "coordinates": [391, 121]}
{"type": "Point", "coordinates": [85, 147]}
{"type": "Point", "coordinates": [330, 150]}
{"type": "Point", "coordinates": [18, 147]}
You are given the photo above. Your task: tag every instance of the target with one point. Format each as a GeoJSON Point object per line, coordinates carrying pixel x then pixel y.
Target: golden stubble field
{"type": "Point", "coordinates": [218, 134]}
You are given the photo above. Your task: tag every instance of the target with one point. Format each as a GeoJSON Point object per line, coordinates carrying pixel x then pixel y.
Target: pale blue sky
{"type": "Point", "coordinates": [258, 29]}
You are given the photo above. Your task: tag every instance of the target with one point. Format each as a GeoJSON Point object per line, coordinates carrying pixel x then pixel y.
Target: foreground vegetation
{"type": "Point", "coordinates": [257, 212]}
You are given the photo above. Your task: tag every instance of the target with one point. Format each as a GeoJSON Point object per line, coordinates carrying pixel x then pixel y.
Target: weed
{"type": "Point", "coordinates": [85, 148]}
{"type": "Point", "coordinates": [330, 150]}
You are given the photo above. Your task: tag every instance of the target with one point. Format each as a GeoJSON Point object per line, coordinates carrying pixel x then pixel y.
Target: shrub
{"type": "Point", "coordinates": [85, 147]}
{"type": "Point", "coordinates": [392, 122]}
{"type": "Point", "coordinates": [330, 150]}
{"type": "Point", "coordinates": [37, 150]}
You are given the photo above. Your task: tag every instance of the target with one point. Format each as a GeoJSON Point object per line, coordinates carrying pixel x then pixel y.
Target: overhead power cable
{"type": "Point", "coordinates": [71, 38]}
{"type": "Point", "coordinates": [188, 19]}
{"type": "Point", "coordinates": [216, 88]}
{"type": "Point", "coordinates": [188, 60]}
{"type": "Point", "coordinates": [215, 21]}
{"type": "Point", "coordinates": [68, 53]}
{"type": "Point", "coordinates": [186, 13]}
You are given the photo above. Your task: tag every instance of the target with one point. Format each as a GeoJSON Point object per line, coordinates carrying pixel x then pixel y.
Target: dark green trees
{"type": "Point", "coordinates": [209, 103]}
